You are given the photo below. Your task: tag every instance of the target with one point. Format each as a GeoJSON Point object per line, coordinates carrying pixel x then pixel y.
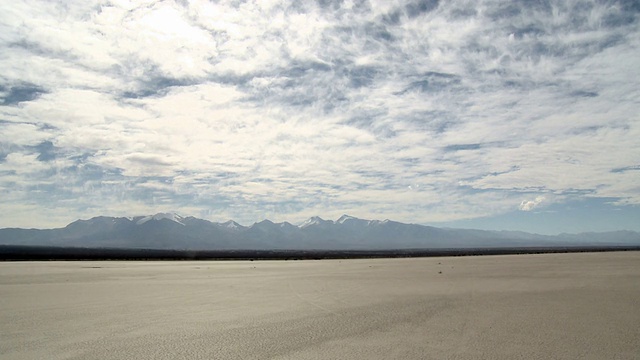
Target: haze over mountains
{"type": "Point", "coordinates": [172, 231]}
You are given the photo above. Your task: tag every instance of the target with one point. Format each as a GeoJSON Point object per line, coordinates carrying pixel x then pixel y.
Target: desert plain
{"type": "Point", "coordinates": [546, 306]}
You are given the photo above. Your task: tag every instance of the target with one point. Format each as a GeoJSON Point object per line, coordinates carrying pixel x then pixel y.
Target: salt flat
{"type": "Point", "coordinates": [551, 306]}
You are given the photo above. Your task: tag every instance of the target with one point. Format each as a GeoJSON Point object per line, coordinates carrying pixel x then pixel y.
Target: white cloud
{"type": "Point", "coordinates": [528, 205]}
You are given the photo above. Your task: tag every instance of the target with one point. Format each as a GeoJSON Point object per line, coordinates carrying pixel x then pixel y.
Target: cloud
{"type": "Point", "coordinates": [528, 205]}
{"type": "Point", "coordinates": [418, 111]}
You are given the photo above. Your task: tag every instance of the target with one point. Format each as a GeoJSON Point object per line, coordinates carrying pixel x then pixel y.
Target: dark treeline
{"type": "Point", "coordinates": [24, 253]}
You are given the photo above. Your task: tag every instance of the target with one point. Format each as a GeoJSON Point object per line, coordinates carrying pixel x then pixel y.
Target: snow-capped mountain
{"type": "Point", "coordinates": [315, 221]}
{"type": "Point", "coordinates": [232, 225]}
{"type": "Point", "coordinates": [346, 218]}
{"type": "Point", "coordinates": [160, 216]}
{"type": "Point", "coordinates": [172, 231]}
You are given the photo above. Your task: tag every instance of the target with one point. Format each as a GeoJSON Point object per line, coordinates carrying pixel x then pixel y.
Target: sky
{"type": "Point", "coordinates": [515, 115]}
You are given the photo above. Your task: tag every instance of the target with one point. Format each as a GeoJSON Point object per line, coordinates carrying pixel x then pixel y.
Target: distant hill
{"type": "Point", "coordinates": [174, 232]}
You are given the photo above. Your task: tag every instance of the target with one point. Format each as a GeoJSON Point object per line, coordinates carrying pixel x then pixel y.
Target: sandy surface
{"type": "Point", "coordinates": [552, 306]}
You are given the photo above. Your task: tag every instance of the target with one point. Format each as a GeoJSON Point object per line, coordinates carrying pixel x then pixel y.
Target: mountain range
{"type": "Point", "coordinates": [171, 231]}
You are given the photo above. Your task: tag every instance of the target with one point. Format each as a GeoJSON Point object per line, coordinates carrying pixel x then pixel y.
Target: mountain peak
{"type": "Point", "coordinates": [265, 222]}
{"type": "Point", "coordinates": [314, 220]}
{"type": "Point", "coordinates": [231, 224]}
{"type": "Point", "coordinates": [161, 216]}
{"type": "Point", "coordinates": [344, 218]}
